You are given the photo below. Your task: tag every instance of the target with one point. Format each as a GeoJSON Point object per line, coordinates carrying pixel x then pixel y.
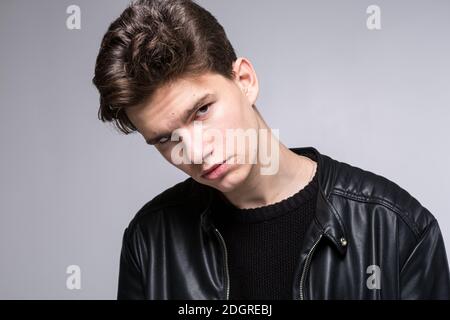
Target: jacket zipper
{"type": "Point", "coordinates": [305, 269]}
{"type": "Point", "coordinates": [227, 285]}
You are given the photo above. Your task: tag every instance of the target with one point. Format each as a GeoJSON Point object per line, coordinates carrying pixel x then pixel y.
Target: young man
{"type": "Point", "coordinates": [294, 225]}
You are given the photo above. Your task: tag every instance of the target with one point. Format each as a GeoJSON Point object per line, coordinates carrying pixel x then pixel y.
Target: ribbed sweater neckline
{"type": "Point", "coordinates": [268, 212]}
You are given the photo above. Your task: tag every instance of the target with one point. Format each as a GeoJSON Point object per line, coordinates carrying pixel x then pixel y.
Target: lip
{"type": "Point", "coordinates": [211, 169]}
{"type": "Point", "coordinates": [216, 171]}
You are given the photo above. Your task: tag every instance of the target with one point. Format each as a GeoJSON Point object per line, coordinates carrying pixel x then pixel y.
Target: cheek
{"type": "Point", "coordinates": [167, 154]}
{"type": "Point", "coordinates": [186, 168]}
{"type": "Point", "coordinates": [231, 114]}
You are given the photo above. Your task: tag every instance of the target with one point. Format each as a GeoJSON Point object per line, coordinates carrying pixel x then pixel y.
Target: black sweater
{"type": "Point", "coordinates": [263, 244]}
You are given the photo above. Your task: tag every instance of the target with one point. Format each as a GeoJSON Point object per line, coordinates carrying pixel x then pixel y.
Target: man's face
{"type": "Point", "coordinates": [202, 133]}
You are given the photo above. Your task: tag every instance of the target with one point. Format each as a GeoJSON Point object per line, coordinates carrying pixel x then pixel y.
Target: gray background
{"type": "Point", "coordinates": [70, 184]}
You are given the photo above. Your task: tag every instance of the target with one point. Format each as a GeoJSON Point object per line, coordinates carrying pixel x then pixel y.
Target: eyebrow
{"type": "Point", "coordinates": [186, 115]}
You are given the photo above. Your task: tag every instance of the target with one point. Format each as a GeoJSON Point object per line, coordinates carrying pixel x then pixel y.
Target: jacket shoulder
{"type": "Point", "coordinates": [362, 185]}
{"type": "Point", "coordinates": [182, 196]}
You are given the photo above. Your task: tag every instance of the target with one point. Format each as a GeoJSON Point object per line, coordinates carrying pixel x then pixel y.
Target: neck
{"type": "Point", "coordinates": [294, 173]}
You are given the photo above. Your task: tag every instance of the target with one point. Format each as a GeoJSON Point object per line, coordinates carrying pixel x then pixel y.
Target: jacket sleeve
{"type": "Point", "coordinates": [425, 274]}
{"type": "Point", "coordinates": [130, 277]}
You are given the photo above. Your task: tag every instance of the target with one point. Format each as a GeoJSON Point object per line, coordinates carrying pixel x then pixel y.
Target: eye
{"type": "Point", "coordinates": [203, 110]}
{"type": "Point", "coordinates": [163, 140]}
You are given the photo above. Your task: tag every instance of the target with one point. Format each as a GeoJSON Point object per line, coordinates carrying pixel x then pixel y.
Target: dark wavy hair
{"type": "Point", "coordinates": [152, 43]}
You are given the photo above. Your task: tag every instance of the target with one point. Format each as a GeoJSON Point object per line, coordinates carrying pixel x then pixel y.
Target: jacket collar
{"type": "Point", "coordinates": [327, 217]}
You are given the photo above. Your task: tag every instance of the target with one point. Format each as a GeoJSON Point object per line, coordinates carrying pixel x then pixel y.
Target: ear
{"type": "Point", "coordinates": [246, 79]}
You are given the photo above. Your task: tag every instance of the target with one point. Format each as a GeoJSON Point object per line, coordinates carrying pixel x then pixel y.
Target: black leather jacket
{"type": "Point", "coordinates": [370, 239]}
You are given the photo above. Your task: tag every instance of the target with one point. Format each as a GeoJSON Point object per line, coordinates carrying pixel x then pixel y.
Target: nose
{"type": "Point", "coordinates": [193, 145]}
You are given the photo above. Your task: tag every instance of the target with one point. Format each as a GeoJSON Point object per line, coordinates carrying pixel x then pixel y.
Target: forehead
{"type": "Point", "coordinates": [168, 103]}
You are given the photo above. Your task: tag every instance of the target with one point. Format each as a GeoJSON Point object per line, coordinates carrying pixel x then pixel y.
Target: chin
{"type": "Point", "coordinates": [232, 180]}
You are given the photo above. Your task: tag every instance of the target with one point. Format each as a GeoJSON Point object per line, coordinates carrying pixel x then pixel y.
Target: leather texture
{"type": "Point", "coordinates": [370, 239]}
